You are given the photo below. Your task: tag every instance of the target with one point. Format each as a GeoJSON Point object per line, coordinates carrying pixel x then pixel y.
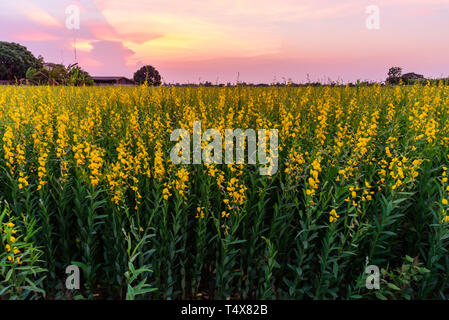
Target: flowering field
{"type": "Point", "coordinates": [86, 180]}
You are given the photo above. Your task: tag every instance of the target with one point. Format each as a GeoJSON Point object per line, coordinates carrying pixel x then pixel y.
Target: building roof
{"type": "Point", "coordinates": [412, 75]}
{"type": "Point", "coordinates": [113, 80]}
{"type": "Point", "coordinates": [110, 78]}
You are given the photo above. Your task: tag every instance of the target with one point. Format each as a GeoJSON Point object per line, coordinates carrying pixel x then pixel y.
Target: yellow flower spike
{"type": "Point", "coordinates": [333, 216]}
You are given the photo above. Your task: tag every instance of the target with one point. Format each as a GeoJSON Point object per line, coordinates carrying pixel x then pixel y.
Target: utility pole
{"type": "Point", "coordinates": [74, 49]}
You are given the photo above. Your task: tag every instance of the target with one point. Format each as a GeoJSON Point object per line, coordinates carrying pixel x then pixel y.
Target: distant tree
{"type": "Point", "coordinates": [394, 74]}
{"type": "Point", "coordinates": [15, 60]}
{"type": "Point", "coordinates": [148, 73]}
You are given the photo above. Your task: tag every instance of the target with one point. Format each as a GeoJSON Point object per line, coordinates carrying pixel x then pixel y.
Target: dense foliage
{"type": "Point", "coordinates": [15, 61]}
{"type": "Point", "coordinates": [57, 74]}
{"type": "Point", "coordinates": [394, 75]}
{"type": "Point", "coordinates": [149, 75]}
{"type": "Point", "coordinates": [86, 179]}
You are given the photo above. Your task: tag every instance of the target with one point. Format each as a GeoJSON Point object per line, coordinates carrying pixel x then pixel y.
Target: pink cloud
{"type": "Point", "coordinates": [107, 58]}
{"type": "Point", "coordinates": [34, 36]}
{"type": "Point", "coordinates": [88, 62]}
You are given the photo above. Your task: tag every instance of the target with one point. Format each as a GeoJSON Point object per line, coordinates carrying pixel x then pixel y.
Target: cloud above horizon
{"type": "Point", "coordinates": [214, 40]}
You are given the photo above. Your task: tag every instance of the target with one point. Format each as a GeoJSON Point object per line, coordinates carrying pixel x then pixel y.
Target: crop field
{"type": "Point", "coordinates": [86, 180]}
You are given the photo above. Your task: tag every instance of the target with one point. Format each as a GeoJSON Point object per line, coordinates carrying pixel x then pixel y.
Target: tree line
{"type": "Point", "coordinates": [20, 66]}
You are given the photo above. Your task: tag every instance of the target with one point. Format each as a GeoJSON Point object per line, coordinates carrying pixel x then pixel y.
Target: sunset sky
{"type": "Point", "coordinates": [214, 40]}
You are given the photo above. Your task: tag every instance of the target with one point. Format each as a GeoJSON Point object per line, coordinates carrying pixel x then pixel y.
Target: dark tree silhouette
{"type": "Point", "coordinates": [394, 74]}
{"type": "Point", "coordinates": [15, 61]}
{"type": "Point", "coordinates": [148, 73]}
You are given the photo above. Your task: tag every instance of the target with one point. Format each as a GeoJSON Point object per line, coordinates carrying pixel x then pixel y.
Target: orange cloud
{"type": "Point", "coordinates": [139, 37]}
{"type": "Point", "coordinates": [36, 14]}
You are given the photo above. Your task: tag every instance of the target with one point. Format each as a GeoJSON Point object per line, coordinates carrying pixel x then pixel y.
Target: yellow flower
{"type": "Point", "coordinates": [310, 192]}
{"type": "Point", "coordinates": [444, 201]}
{"type": "Point", "coordinates": [333, 216]}
{"type": "Point", "coordinates": [166, 193]}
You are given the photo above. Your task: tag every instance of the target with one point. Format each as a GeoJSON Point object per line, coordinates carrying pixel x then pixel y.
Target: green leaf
{"type": "Point", "coordinates": [9, 274]}
{"type": "Point", "coordinates": [393, 286]}
{"type": "Point", "coordinates": [381, 296]}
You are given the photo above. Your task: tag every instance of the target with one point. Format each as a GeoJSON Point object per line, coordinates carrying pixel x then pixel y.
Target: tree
{"type": "Point", "coordinates": [57, 74]}
{"type": "Point", "coordinates": [78, 76]}
{"type": "Point", "coordinates": [148, 73]}
{"type": "Point", "coordinates": [15, 60]}
{"type": "Point", "coordinates": [394, 74]}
